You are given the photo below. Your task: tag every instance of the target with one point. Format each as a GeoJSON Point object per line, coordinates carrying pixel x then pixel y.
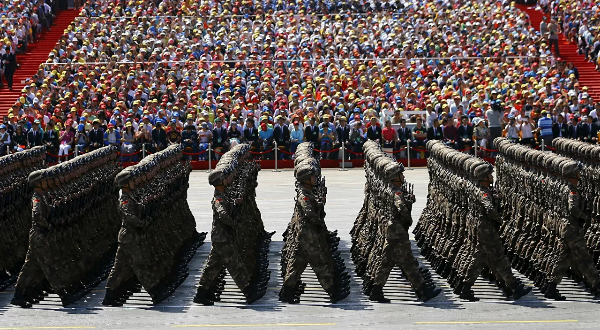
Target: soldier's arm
{"type": "Point", "coordinates": [490, 209]}
{"type": "Point", "coordinates": [130, 214]}
{"type": "Point", "coordinates": [223, 213]}
{"type": "Point", "coordinates": [574, 206]}
{"type": "Point", "coordinates": [38, 215]}
{"type": "Point", "coordinates": [310, 209]}
{"type": "Point", "coordinates": [402, 209]}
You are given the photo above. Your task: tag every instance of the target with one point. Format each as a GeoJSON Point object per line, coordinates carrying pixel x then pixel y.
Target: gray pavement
{"type": "Point", "coordinates": [275, 197]}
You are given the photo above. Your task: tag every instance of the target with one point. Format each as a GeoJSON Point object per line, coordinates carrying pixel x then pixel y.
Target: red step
{"type": "Point", "coordinates": [36, 54]}
{"type": "Point", "coordinates": [588, 76]}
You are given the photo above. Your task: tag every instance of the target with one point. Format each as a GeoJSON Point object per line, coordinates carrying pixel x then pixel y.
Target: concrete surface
{"type": "Point", "coordinates": [276, 200]}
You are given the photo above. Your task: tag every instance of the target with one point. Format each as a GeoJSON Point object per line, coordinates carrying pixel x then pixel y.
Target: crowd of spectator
{"type": "Point", "coordinates": [580, 22]}
{"type": "Point", "coordinates": [145, 74]}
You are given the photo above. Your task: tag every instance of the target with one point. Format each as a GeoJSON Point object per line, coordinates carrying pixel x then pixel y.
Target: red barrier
{"type": "Point", "coordinates": [57, 156]}
{"type": "Point", "coordinates": [260, 152]}
{"type": "Point", "coordinates": [128, 155]}
{"type": "Point", "coordinates": [195, 153]}
{"type": "Point", "coordinates": [328, 151]}
{"type": "Point", "coordinates": [488, 150]}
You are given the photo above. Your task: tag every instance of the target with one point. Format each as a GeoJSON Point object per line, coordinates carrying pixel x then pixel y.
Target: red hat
{"type": "Point", "coordinates": [111, 126]}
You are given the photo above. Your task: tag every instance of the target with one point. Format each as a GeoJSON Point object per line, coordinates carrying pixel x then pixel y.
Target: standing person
{"type": "Point", "coordinates": [527, 128]}
{"type": "Point", "coordinates": [545, 128]}
{"type": "Point", "coordinates": [281, 135]}
{"type": "Point", "coordinates": [35, 136]}
{"type": "Point", "coordinates": [481, 134]}
{"type": "Point", "coordinates": [265, 136]}
{"type": "Point", "coordinates": [51, 141]}
{"type": "Point", "coordinates": [112, 136]}
{"type": "Point", "coordinates": [96, 136]}
{"type": "Point", "coordinates": [435, 132]}
{"type": "Point", "coordinates": [326, 138]}
{"type": "Point", "coordinates": [19, 139]}
{"type": "Point", "coordinates": [494, 116]}
{"type": "Point", "coordinates": [251, 135]}
{"type": "Point", "coordinates": [81, 139]}
{"type": "Point", "coordinates": [311, 132]}
{"type": "Point", "coordinates": [553, 37]}
{"type": "Point", "coordinates": [296, 136]}
{"type": "Point", "coordinates": [205, 139]}
{"type": "Point", "coordinates": [234, 134]}
{"type": "Point", "coordinates": [189, 139]}
{"type": "Point", "coordinates": [357, 138]}
{"type": "Point", "coordinates": [220, 142]}
{"type": "Point", "coordinates": [419, 134]}
{"type": "Point", "coordinates": [66, 141]}
{"type": "Point", "coordinates": [10, 65]}
{"type": "Point", "coordinates": [560, 128]}
{"type": "Point", "coordinates": [512, 130]}
{"type": "Point", "coordinates": [343, 135]}
{"type": "Point", "coordinates": [374, 131]}
{"type": "Point", "coordinates": [465, 134]}
{"type": "Point", "coordinates": [4, 140]}
{"type": "Point", "coordinates": [128, 143]}
{"type": "Point", "coordinates": [159, 137]}
{"type": "Point", "coordinates": [173, 134]}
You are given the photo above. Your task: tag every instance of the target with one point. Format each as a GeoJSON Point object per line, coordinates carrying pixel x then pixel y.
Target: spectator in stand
{"type": "Point", "coordinates": [481, 135]}
{"type": "Point", "coordinates": [265, 136]}
{"type": "Point", "coordinates": [512, 130]}
{"type": "Point", "coordinates": [220, 142]}
{"type": "Point", "coordinates": [9, 61]}
{"type": "Point", "coordinates": [173, 133]}
{"type": "Point", "coordinates": [419, 138]}
{"type": "Point", "coordinates": [251, 135]}
{"type": "Point", "coordinates": [281, 135]}
{"type": "Point", "coordinates": [112, 136]}
{"type": "Point", "coordinates": [588, 131]}
{"type": "Point", "coordinates": [358, 136]}
{"type": "Point", "coordinates": [205, 139]}
{"type": "Point", "coordinates": [450, 132]}
{"type": "Point", "coordinates": [81, 139]}
{"type": "Point", "coordinates": [159, 137]}
{"type": "Point", "coordinates": [128, 146]}
{"type": "Point", "coordinates": [435, 132]}
{"type": "Point", "coordinates": [67, 136]}
{"type": "Point", "coordinates": [189, 139]}
{"type": "Point", "coordinates": [545, 128]}
{"type": "Point", "coordinates": [296, 136]}
{"type": "Point", "coordinates": [4, 140]}
{"type": "Point", "coordinates": [234, 133]}
{"type": "Point", "coordinates": [96, 136]}
{"type": "Point", "coordinates": [560, 128]}
{"type": "Point", "coordinates": [527, 128]}
{"type": "Point", "coordinates": [326, 140]}
{"type": "Point", "coordinates": [374, 130]}
{"type": "Point", "coordinates": [342, 134]}
{"type": "Point", "coordinates": [19, 139]}
{"type": "Point", "coordinates": [35, 136]}
{"type": "Point", "coordinates": [311, 132]}
{"type": "Point", "coordinates": [465, 134]}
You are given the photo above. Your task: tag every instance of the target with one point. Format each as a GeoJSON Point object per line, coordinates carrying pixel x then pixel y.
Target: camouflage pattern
{"type": "Point", "coordinates": [458, 229]}
{"type": "Point", "coordinates": [15, 210]}
{"type": "Point", "coordinates": [380, 234]}
{"type": "Point", "coordinates": [544, 215]}
{"type": "Point", "coordinates": [307, 241]}
{"type": "Point", "coordinates": [75, 223]}
{"type": "Point", "coordinates": [157, 236]}
{"type": "Point", "coordinates": [240, 244]}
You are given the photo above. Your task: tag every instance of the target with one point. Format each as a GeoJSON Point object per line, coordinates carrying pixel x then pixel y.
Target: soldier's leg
{"type": "Point", "coordinates": [580, 255]}
{"type": "Point", "coordinates": [295, 268]}
{"type": "Point", "coordinates": [121, 271]}
{"type": "Point", "coordinates": [405, 259]}
{"type": "Point", "coordinates": [319, 259]}
{"type": "Point", "coordinates": [211, 270]}
{"type": "Point", "coordinates": [495, 258]}
{"type": "Point", "coordinates": [386, 265]}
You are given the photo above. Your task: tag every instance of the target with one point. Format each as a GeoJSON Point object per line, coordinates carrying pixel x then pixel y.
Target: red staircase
{"type": "Point", "coordinates": [37, 53]}
{"type": "Point", "coordinates": [588, 76]}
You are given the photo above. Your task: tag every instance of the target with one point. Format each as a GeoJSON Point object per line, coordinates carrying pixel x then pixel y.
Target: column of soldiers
{"type": "Point", "coordinates": [15, 210]}
{"type": "Point", "coordinates": [240, 244]}
{"type": "Point", "coordinates": [380, 234]}
{"type": "Point", "coordinates": [542, 217]}
{"type": "Point", "coordinates": [307, 240]}
{"type": "Point", "coordinates": [73, 239]}
{"type": "Point", "coordinates": [157, 236]}
{"type": "Point", "coordinates": [458, 229]}
{"type": "Point", "coordinates": [588, 186]}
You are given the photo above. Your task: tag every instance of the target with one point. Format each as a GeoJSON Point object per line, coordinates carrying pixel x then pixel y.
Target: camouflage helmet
{"type": "Point", "coordinates": [305, 170]}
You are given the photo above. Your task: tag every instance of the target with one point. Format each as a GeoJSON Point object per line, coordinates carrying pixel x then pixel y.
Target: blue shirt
{"type": "Point", "coordinates": [297, 134]}
{"type": "Point", "coordinates": [265, 134]}
{"type": "Point", "coordinates": [545, 125]}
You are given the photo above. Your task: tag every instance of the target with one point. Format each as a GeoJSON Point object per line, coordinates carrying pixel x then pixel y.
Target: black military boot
{"type": "Point", "coordinates": [467, 294]}
{"type": "Point", "coordinates": [426, 292]}
{"type": "Point", "coordinates": [202, 297]}
{"type": "Point", "coordinates": [552, 292]}
{"type": "Point", "coordinates": [288, 295]}
{"type": "Point", "coordinates": [377, 295]}
{"type": "Point", "coordinates": [19, 299]}
{"type": "Point", "coordinates": [111, 299]}
{"type": "Point", "coordinates": [519, 290]}
{"type": "Point", "coordinates": [337, 294]}
{"type": "Point", "coordinates": [595, 289]}
{"type": "Point", "coordinates": [251, 294]}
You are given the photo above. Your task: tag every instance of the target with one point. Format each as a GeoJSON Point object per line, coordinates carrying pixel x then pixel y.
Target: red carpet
{"type": "Point", "coordinates": [37, 53]}
{"type": "Point", "coordinates": [588, 76]}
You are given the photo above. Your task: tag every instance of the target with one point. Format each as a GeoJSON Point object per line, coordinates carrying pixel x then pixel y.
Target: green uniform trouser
{"type": "Point", "coordinates": [121, 271]}
{"type": "Point", "coordinates": [397, 251]}
{"type": "Point", "coordinates": [489, 250]}
{"type": "Point", "coordinates": [314, 250]}
{"type": "Point", "coordinates": [576, 254]}
{"type": "Point", "coordinates": [224, 254]}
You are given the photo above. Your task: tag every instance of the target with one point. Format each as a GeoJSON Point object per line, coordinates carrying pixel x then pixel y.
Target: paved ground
{"type": "Point", "coordinates": [275, 200]}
